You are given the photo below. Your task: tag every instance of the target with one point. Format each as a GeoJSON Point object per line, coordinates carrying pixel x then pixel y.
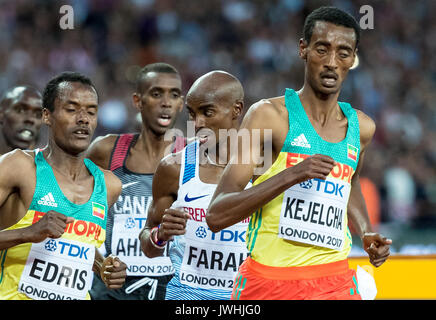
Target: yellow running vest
{"type": "Point", "coordinates": [56, 269]}
{"type": "Point", "coordinates": [307, 224]}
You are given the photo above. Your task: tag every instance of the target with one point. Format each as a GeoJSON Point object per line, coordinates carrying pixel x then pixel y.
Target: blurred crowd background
{"type": "Point", "coordinates": [256, 40]}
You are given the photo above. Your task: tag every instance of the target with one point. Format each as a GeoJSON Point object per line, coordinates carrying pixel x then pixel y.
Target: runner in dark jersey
{"type": "Point", "coordinates": [133, 158]}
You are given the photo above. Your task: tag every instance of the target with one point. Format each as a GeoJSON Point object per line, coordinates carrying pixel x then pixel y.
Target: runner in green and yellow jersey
{"type": "Point", "coordinates": [48, 250]}
{"type": "Point", "coordinates": [298, 236]}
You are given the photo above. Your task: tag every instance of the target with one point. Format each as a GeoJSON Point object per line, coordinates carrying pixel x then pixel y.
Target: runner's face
{"type": "Point", "coordinates": [74, 118]}
{"type": "Point", "coordinates": [329, 56]}
{"type": "Point", "coordinates": [160, 101]}
{"type": "Point", "coordinates": [22, 121]}
{"type": "Point", "coordinates": [210, 114]}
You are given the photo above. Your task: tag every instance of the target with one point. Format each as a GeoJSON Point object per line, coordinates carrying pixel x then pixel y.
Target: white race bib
{"type": "Point", "coordinates": [211, 260]}
{"type": "Point", "coordinates": [313, 212]}
{"type": "Point", "coordinates": [127, 246]}
{"type": "Point", "coordinates": [58, 269]}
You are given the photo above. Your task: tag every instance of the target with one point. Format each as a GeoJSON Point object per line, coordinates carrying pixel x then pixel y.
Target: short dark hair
{"type": "Point", "coordinates": [332, 15]}
{"type": "Point", "coordinates": [158, 67]}
{"type": "Point", "coordinates": [51, 90]}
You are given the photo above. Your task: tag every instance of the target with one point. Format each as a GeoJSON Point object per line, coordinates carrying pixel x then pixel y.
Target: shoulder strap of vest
{"type": "Point", "coordinates": [353, 126]}
{"type": "Point", "coordinates": [189, 163]}
{"type": "Point", "coordinates": [100, 183]}
{"type": "Point", "coordinates": [120, 150]}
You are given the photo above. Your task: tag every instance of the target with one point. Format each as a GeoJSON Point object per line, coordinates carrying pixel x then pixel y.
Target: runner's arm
{"type": "Point", "coordinates": [12, 238]}
{"type": "Point", "coordinates": [111, 269]}
{"type": "Point", "coordinates": [373, 243]}
{"type": "Point", "coordinates": [356, 208]}
{"type": "Point", "coordinates": [17, 170]}
{"type": "Point", "coordinates": [9, 181]}
{"type": "Point", "coordinates": [164, 190]}
{"type": "Point", "coordinates": [113, 187]}
{"type": "Point", "coordinates": [230, 202]}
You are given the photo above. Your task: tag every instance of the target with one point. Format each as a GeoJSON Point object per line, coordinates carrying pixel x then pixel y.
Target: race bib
{"type": "Point", "coordinates": [211, 260]}
{"type": "Point", "coordinates": [127, 246]}
{"type": "Point", "coordinates": [58, 269]}
{"type": "Point", "coordinates": [313, 212]}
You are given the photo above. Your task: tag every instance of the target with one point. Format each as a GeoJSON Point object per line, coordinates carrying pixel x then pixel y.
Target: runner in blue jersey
{"type": "Point", "coordinates": [133, 158]}
{"type": "Point", "coordinates": [206, 263]}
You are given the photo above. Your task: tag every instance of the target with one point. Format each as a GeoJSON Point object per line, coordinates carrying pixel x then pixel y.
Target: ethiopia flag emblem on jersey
{"type": "Point", "coordinates": [352, 152]}
{"type": "Point", "coordinates": [98, 210]}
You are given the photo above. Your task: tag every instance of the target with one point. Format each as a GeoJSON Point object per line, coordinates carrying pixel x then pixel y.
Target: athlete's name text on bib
{"type": "Point", "coordinates": [330, 216]}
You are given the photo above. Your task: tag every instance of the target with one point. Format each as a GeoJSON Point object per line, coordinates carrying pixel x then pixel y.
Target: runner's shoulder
{"type": "Point", "coordinates": [169, 166]}
{"type": "Point", "coordinates": [103, 144]}
{"type": "Point", "coordinates": [113, 186]}
{"type": "Point", "coordinates": [367, 127]}
{"type": "Point", "coordinates": [101, 148]}
{"type": "Point", "coordinates": [267, 110]}
{"type": "Point", "coordinates": [174, 159]}
{"type": "Point", "coordinates": [19, 158]}
{"type": "Point", "coordinates": [111, 178]}
{"type": "Point", "coordinates": [17, 164]}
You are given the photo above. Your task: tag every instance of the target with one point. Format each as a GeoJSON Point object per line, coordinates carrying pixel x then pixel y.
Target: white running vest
{"type": "Point", "coordinates": [205, 263]}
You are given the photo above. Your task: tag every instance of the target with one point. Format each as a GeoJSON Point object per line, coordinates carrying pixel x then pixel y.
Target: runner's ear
{"type": "Point", "coordinates": [237, 109]}
{"type": "Point", "coordinates": [303, 49]}
{"type": "Point", "coordinates": [136, 98]}
{"type": "Point", "coordinates": [46, 117]}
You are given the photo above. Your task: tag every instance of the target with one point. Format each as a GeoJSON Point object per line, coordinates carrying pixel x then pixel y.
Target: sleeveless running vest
{"type": "Point", "coordinates": [126, 219]}
{"type": "Point", "coordinates": [56, 269]}
{"type": "Point", "coordinates": [128, 215]}
{"type": "Point", "coordinates": [205, 263]}
{"type": "Point", "coordinates": [307, 224]}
